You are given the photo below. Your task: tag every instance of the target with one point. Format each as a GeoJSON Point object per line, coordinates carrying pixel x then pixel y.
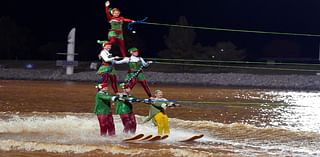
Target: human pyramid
{"type": "Point", "coordinates": [124, 100]}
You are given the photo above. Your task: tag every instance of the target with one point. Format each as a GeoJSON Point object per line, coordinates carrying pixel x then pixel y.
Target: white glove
{"type": "Point", "coordinates": [164, 106]}
{"type": "Point", "coordinates": [107, 3]}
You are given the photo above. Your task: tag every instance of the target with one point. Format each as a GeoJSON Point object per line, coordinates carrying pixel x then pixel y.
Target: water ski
{"type": "Point", "coordinates": [138, 136]}
{"type": "Point", "coordinates": [145, 138]}
{"type": "Point", "coordinates": [154, 138]}
{"type": "Point", "coordinates": [190, 139]}
{"type": "Point", "coordinates": [164, 137]}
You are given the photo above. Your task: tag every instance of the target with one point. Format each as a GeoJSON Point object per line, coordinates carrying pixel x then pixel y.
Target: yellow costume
{"type": "Point", "coordinates": [162, 122]}
{"type": "Point", "coordinates": [158, 115]}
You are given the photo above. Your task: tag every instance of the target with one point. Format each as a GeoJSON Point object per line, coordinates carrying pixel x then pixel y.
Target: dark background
{"type": "Point", "coordinates": [50, 22]}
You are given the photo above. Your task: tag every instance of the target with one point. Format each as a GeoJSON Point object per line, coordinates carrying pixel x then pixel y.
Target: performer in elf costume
{"type": "Point", "coordinates": [124, 108]}
{"type": "Point", "coordinates": [135, 72]}
{"type": "Point", "coordinates": [157, 112]}
{"type": "Point", "coordinates": [107, 71]}
{"type": "Point", "coordinates": [115, 34]}
{"type": "Point", "coordinates": [103, 110]}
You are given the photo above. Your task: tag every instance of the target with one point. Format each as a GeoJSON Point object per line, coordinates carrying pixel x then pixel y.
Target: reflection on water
{"type": "Point", "coordinates": [302, 112]}
{"type": "Point", "coordinates": [235, 122]}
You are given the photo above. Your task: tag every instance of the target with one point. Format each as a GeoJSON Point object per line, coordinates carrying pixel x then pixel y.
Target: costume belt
{"type": "Point", "coordinates": [133, 71]}
{"type": "Point", "coordinates": [117, 31]}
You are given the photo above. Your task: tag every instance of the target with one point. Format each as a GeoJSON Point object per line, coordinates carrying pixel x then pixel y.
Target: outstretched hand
{"type": "Point", "coordinates": [147, 64]}
{"type": "Point", "coordinates": [107, 3]}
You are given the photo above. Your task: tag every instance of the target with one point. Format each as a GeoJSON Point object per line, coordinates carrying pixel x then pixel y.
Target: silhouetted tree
{"type": "Point", "coordinates": [224, 51]}
{"type": "Point", "coordinates": [180, 42]}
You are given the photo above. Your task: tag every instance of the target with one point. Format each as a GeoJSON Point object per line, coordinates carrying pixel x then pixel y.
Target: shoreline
{"type": "Point", "coordinates": [229, 80]}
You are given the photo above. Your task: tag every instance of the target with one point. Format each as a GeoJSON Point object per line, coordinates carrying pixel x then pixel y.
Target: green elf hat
{"type": "Point", "coordinates": [111, 10]}
{"type": "Point", "coordinates": [131, 50]}
{"type": "Point", "coordinates": [124, 85]}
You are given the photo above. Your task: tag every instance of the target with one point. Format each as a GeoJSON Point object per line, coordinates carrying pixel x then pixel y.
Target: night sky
{"type": "Point", "coordinates": [52, 20]}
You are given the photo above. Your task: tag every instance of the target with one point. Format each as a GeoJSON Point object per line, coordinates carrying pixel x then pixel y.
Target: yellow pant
{"type": "Point", "coordinates": [162, 123]}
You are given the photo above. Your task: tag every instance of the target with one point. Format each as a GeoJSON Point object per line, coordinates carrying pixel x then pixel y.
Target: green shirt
{"type": "Point", "coordinates": [125, 106]}
{"type": "Point", "coordinates": [103, 103]}
{"type": "Point", "coordinates": [133, 68]}
{"type": "Point", "coordinates": [116, 25]}
{"type": "Point", "coordinates": [155, 108]}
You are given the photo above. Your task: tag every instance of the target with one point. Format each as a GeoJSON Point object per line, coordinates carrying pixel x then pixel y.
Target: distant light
{"type": "Point", "coordinates": [212, 56]}
{"type": "Point", "coordinates": [134, 32]}
{"type": "Point", "coordinates": [221, 50]}
{"type": "Point", "coordinates": [29, 66]}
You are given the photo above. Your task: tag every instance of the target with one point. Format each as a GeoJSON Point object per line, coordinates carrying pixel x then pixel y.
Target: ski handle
{"type": "Point", "coordinates": [172, 102]}
{"type": "Point", "coordinates": [130, 27]}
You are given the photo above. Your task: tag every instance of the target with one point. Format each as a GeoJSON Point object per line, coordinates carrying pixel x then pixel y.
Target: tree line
{"type": "Point", "coordinates": [17, 42]}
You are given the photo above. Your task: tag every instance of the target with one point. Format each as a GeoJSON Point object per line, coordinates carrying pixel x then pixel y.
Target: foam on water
{"type": "Point", "coordinates": [84, 127]}
{"type": "Point", "coordinates": [79, 133]}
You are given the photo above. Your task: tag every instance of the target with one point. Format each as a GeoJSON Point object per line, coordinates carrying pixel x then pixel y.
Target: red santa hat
{"type": "Point", "coordinates": [104, 42]}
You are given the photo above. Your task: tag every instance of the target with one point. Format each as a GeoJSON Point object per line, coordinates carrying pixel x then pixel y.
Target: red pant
{"type": "Point", "coordinates": [129, 123]}
{"type": "Point", "coordinates": [106, 124]}
{"type": "Point", "coordinates": [121, 44]}
{"type": "Point", "coordinates": [113, 80]}
{"type": "Point", "coordinates": [143, 83]}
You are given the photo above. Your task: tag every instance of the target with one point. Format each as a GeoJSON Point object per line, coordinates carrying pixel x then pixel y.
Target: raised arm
{"type": "Point", "coordinates": [109, 16]}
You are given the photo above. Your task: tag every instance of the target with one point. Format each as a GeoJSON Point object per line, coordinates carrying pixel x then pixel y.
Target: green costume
{"type": "Point", "coordinates": [135, 72]}
{"type": "Point", "coordinates": [125, 109]}
{"type": "Point", "coordinates": [106, 69]}
{"type": "Point", "coordinates": [115, 34]}
{"type": "Point", "coordinates": [133, 68]}
{"type": "Point", "coordinates": [103, 105]}
{"type": "Point", "coordinates": [158, 115]}
{"type": "Point", "coordinates": [107, 66]}
{"type": "Point", "coordinates": [124, 104]}
{"type": "Point", "coordinates": [156, 107]}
